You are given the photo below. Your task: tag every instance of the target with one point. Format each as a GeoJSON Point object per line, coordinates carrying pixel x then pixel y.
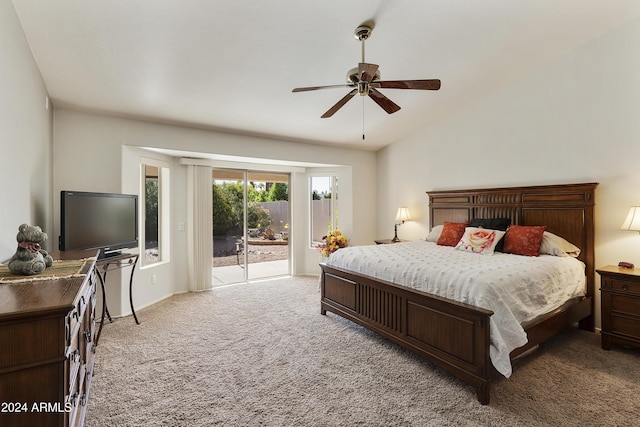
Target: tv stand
{"type": "Point", "coordinates": [115, 261]}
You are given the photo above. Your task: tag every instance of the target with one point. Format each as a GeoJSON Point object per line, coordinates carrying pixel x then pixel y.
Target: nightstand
{"type": "Point", "coordinates": [386, 241]}
{"type": "Point", "coordinates": [620, 306]}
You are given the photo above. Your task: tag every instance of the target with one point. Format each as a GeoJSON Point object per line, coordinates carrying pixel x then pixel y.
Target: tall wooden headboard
{"type": "Point", "coordinates": [566, 210]}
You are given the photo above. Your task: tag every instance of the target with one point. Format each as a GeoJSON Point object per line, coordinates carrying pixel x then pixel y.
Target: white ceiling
{"type": "Point", "coordinates": [230, 65]}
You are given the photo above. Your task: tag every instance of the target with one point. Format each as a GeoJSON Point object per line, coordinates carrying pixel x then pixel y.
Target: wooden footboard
{"type": "Point", "coordinates": [451, 335]}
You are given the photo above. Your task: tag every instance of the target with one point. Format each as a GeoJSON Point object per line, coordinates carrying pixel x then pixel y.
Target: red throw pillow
{"type": "Point", "coordinates": [524, 240]}
{"type": "Point", "coordinates": [452, 232]}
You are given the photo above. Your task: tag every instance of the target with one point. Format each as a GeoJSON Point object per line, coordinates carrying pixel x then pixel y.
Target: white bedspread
{"type": "Point", "coordinates": [516, 288]}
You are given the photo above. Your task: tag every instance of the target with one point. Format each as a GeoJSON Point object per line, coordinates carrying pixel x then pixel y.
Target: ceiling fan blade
{"type": "Point", "coordinates": [433, 84]}
{"type": "Point", "coordinates": [305, 89]}
{"type": "Point", "coordinates": [387, 105]}
{"type": "Point", "coordinates": [367, 71]}
{"type": "Point", "coordinates": [339, 104]}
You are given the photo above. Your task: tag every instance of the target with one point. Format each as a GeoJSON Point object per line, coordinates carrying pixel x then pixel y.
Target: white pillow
{"type": "Point", "coordinates": [435, 233]}
{"type": "Point", "coordinates": [480, 240]}
{"type": "Point", "coordinates": [556, 245]}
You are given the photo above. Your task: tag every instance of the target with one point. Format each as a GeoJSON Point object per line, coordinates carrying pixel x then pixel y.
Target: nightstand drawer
{"type": "Point", "coordinates": [622, 286]}
{"type": "Point", "coordinates": [625, 304]}
{"type": "Point", "coordinates": [625, 325]}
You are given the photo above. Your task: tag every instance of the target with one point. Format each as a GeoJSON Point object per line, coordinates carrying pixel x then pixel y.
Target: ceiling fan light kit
{"type": "Point", "coordinates": [365, 81]}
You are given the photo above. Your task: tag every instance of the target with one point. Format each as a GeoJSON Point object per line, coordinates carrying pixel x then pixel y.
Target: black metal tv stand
{"type": "Point", "coordinates": [115, 262]}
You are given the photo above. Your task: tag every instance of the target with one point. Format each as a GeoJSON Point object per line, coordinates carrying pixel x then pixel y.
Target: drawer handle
{"type": "Point", "coordinates": [625, 287]}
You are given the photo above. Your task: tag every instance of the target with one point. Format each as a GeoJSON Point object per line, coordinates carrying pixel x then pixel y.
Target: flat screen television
{"type": "Point", "coordinates": [104, 221]}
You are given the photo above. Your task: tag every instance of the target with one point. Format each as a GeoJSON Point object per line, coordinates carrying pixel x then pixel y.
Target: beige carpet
{"type": "Point", "coordinates": [261, 354]}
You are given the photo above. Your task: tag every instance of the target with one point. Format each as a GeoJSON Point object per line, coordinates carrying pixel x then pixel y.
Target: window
{"type": "Point", "coordinates": [154, 213]}
{"type": "Point", "coordinates": [324, 207]}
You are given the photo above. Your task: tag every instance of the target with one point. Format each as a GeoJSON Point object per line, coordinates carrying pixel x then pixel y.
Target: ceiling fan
{"type": "Point", "coordinates": [365, 80]}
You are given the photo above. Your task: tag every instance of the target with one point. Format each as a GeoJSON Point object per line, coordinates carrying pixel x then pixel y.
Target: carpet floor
{"type": "Point", "coordinates": [261, 354]}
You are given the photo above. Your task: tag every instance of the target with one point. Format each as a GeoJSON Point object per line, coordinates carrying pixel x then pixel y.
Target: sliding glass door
{"type": "Point", "coordinates": [228, 188]}
{"type": "Point", "coordinates": [250, 225]}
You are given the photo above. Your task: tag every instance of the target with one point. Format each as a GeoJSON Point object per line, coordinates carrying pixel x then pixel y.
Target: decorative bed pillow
{"type": "Point", "coordinates": [451, 233]}
{"type": "Point", "coordinates": [524, 240]}
{"type": "Point", "coordinates": [479, 240]}
{"type": "Point", "coordinates": [556, 245]}
{"type": "Point", "coordinates": [435, 233]}
{"type": "Point", "coordinates": [493, 224]}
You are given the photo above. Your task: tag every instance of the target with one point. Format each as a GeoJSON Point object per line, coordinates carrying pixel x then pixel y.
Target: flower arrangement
{"type": "Point", "coordinates": [332, 242]}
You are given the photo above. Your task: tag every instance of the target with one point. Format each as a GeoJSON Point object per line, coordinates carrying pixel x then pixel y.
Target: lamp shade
{"type": "Point", "coordinates": [632, 223]}
{"type": "Point", "coordinates": [403, 214]}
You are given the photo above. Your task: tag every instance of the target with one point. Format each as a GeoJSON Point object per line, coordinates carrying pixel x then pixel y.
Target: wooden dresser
{"type": "Point", "coordinates": [620, 306]}
{"type": "Point", "coordinates": [47, 331]}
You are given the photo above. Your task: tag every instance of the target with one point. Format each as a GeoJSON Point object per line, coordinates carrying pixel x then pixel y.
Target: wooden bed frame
{"type": "Point", "coordinates": [453, 335]}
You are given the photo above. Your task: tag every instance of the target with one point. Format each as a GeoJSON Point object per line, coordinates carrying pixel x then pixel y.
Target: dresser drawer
{"type": "Point", "coordinates": [89, 334]}
{"type": "Point", "coordinates": [73, 362]}
{"type": "Point", "coordinates": [71, 406]}
{"type": "Point", "coordinates": [72, 326]}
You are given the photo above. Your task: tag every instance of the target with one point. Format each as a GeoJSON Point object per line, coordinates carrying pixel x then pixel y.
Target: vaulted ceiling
{"type": "Point", "coordinates": [231, 65]}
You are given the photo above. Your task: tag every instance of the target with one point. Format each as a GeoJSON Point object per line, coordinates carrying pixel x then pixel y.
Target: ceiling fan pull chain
{"type": "Point", "coordinates": [363, 119]}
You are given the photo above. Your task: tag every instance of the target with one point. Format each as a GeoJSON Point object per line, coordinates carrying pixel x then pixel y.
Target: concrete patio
{"type": "Point", "coordinates": [231, 274]}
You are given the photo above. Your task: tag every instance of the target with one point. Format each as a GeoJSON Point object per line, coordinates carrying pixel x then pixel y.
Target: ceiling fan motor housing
{"type": "Point", "coordinates": [362, 32]}
{"type": "Point", "coordinates": [353, 76]}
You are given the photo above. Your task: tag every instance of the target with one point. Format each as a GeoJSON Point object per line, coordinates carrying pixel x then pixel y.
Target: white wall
{"type": "Point", "coordinates": [99, 153]}
{"type": "Point", "coordinates": [25, 138]}
{"type": "Point", "coordinates": [574, 120]}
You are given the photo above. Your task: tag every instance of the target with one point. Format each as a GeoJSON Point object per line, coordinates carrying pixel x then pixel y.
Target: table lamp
{"type": "Point", "coordinates": [402, 216]}
{"type": "Point", "coordinates": [632, 223]}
